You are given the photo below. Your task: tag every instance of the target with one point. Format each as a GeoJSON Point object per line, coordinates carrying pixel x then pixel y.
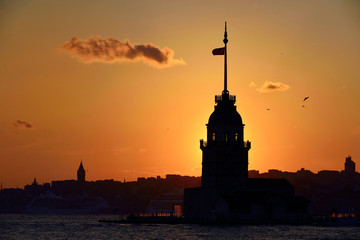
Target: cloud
{"type": "Point", "coordinates": [23, 125]}
{"type": "Point", "coordinates": [252, 84]}
{"type": "Point", "coordinates": [269, 86]}
{"type": "Point", "coordinates": [110, 50]}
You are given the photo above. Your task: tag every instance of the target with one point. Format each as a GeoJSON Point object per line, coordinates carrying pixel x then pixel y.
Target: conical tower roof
{"type": "Point", "coordinates": [81, 167]}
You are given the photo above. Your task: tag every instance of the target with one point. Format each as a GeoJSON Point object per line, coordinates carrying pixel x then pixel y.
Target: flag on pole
{"type": "Point", "coordinates": [218, 51]}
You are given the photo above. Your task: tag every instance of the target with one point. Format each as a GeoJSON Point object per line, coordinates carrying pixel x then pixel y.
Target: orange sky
{"type": "Point", "coordinates": [131, 118]}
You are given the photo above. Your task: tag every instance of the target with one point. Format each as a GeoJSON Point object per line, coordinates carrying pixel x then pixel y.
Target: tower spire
{"type": "Point", "coordinates": [81, 173]}
{"type": "Point", "coordinates": [223, 51]}
{"type": "Point", "coordinates": [225, 62]}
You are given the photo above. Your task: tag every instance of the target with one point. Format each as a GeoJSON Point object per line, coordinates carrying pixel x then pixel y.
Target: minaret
{"type": "Point", "coordinates": [81, 173]}
{"type": "Point", "coordinates": [225, 153]}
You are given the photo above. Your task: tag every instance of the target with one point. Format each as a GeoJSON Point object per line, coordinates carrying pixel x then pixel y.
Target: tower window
{"type": "Point", "coordinates": [226, 137]}
{"type": "Point", "coordinates": [213, 137]}
{"type": "Point", "coordinates": [236, 137]}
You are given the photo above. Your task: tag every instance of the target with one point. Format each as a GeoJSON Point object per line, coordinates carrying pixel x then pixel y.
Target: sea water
{"type": "Point", "coordinates": [77, 227]}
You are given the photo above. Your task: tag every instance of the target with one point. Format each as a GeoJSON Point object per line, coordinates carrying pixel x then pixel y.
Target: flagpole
{"type": "Point", "coordinates": [225, 62]}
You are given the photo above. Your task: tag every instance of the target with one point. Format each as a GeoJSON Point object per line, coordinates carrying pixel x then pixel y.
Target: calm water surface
{"type": "Point", "coordinates": [77, 227]}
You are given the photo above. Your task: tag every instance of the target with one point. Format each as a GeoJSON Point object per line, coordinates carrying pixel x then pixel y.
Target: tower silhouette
{"type": "Point", "coordinates": [226, 193]}
{"type": "Point", "coordinates": [225, 154]}
{"type": "Point", "coordinates": [349, 165]}
{"type": "Point", "coordinates": [81, 173]}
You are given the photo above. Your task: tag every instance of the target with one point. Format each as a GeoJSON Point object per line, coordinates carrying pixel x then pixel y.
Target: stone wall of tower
{"type": "Point", "coordinates": [225, 166]}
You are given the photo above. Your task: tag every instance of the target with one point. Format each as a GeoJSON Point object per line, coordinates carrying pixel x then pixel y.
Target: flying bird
{"type": "Point", "coordinates": [305, 99]}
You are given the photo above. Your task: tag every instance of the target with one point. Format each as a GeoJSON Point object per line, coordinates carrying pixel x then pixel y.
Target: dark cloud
{"type": "Point", "coordinates": [23, 125]}
{"type": "Point", "coordinates": [110, 50]}
{"type": "Point", "coordinates": [269, 86]}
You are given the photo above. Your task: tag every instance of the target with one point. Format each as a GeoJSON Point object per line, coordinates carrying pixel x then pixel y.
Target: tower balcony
{"type": "Point", "coordinates": [247, 144]}
{"type": "Point", "coordinates": [224, 97]}
{"type": "Point", "coordinates": [204, 144]}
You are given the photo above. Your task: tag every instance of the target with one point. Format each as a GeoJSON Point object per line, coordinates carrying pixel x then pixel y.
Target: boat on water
{"type": "Point", "coordinates": [337, 218]}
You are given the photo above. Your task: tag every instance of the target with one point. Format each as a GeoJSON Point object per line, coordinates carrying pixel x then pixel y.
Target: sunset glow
{"type": "Point", "coordinates": [137, 103]}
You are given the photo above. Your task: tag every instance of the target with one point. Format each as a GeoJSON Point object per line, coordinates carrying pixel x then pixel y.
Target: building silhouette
{"type": "Point", "coordinates": [349, 165]}
{"type": "Point", "coordinates": [329, 192]}
{"type": "Point", "coordinates": [226, 193]}
{"type": "Point", "coordinates": [81, 173]}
